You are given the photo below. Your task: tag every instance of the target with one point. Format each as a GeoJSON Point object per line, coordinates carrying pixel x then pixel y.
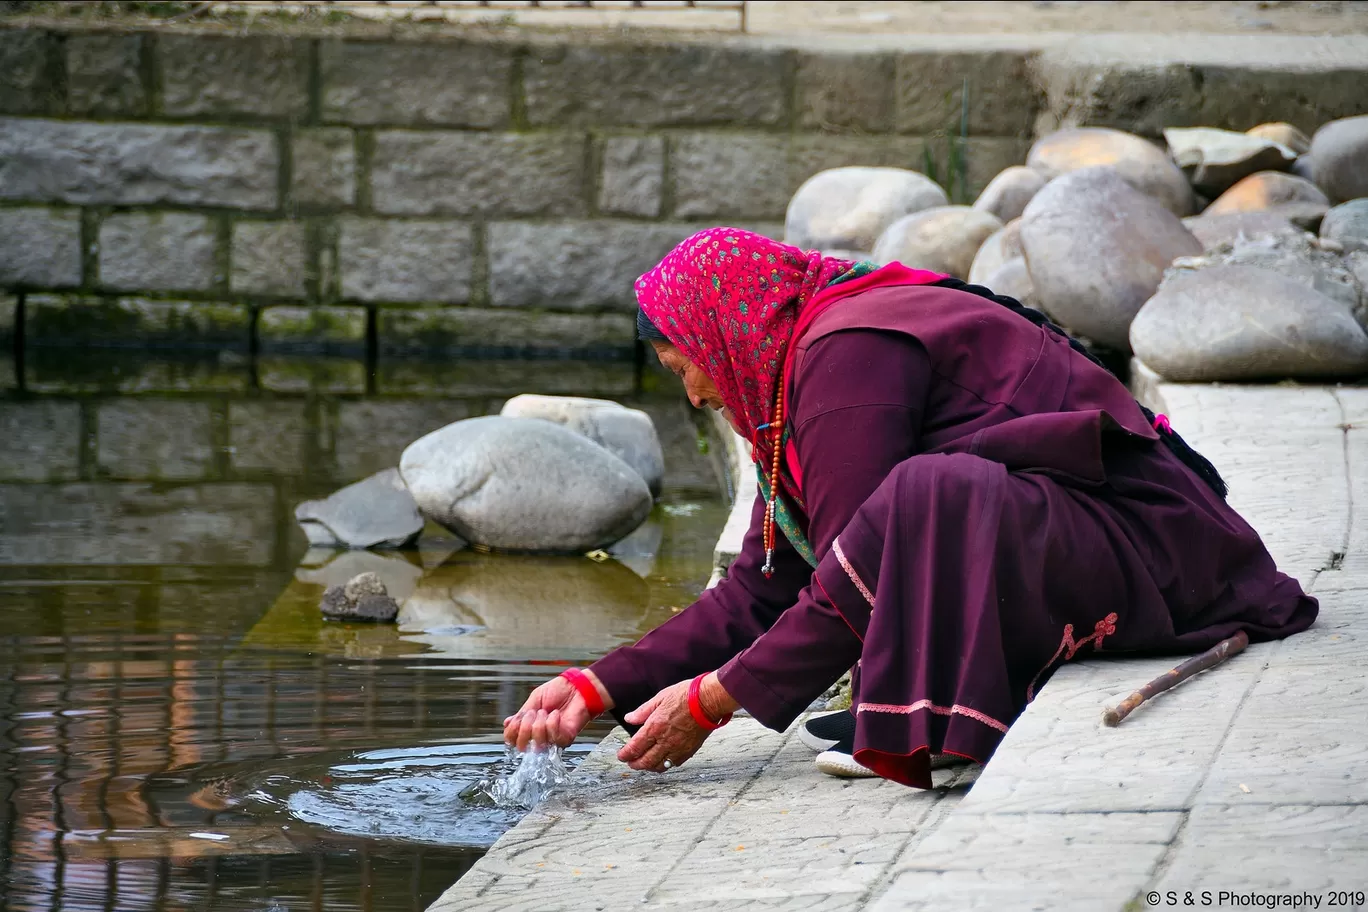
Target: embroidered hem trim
{"type": "Point", "coordinates": [1069, 647]}
{"type": "Point", "coordinates": [850, 572]}
{"type": "Point", "coordinates": [956, 709]}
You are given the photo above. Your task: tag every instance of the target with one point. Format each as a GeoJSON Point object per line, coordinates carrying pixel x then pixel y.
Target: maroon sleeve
{"type": "Point", "coordinates": [858, 406]}
{"type": "Point", "coordinates": [724, 620]}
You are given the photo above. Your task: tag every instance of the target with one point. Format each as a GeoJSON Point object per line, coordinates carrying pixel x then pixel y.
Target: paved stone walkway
{"type": "Point", "coordinates": [1248, 779]}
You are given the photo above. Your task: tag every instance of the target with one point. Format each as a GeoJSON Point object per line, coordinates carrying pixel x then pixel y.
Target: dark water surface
{"type": "Point", "coordinates": [178, 727]}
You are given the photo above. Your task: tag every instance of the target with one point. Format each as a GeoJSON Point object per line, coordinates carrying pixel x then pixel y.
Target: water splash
{"type": "Point", "coordinates": [523, 780]}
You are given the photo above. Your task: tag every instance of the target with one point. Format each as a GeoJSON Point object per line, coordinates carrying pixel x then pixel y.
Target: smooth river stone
{"type": "Point", "coordinates": [1001, 246]}
{"type": "Point", "coordinates": [1213, 230]}
{"type": "Point", "coordinates": [628, 434]}
{"type": "Point", "coordinates": [1232, 323]}
{"type": "Point", "coordinates": [1013, 279]}
{"type": "Point", "coordinates": [1339, 158]}
{"type": "Point", "coordinates": [524, 484]}
{"type": "Point", "coordinates": [1007, 194]}
{"type": "Point", "coordinates": [1347, 225]}
{"type": "Point", "coordinates": [1271, 190]}
{"type": "Point", "coordinates": [848, 208]}
{"type": "Point", "coordinates": [1284, 134]}
{"type": "Point", "coordinates": [1144, 165]}
{"type": "Point", "coordinates": [944, 239]}
{"type": "Point", "coordinates": [1097, 249]}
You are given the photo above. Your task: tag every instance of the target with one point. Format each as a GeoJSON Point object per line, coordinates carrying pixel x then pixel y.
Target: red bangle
{"type": "Point", "coordinates": [580, 681]}
{"type": "Point", "coordinates": [696, 707]}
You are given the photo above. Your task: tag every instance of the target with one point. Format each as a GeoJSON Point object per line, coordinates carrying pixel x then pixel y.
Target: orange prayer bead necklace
{"type": "Point", "coordinates": [776, 427]}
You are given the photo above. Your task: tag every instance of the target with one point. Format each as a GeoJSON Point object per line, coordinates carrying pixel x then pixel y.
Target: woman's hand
{"type": "Point", "coordinates": [553, 714]}
{"type": "Point", "coordinates": [668, 730]}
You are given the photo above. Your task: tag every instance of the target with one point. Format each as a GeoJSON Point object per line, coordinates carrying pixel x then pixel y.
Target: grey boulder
{"type": "Point", "coordinates": [1213, 230]}
{"type": "Point", "coordinates": [1214, 160]}
{"type": "Point", "coordinates": [1339, 158]}
{"type": "Point", "coordinates": [1303, 258]}
{"type": "Point", "coordinates": [1001, 246]}
{"type": "Point", "coordinates": [1347, 225]}
{"type": "Point", "coordinates": [1295, 198]}
{"type": "Point", "coordinates": [628, 434]}
{"type": "Point", "coordinates": [377, 512]}
{"type": "Point", "coordinates": [1013, 279]}
{"type": "Point", "coordinates": [1096, 249]}
{"type": "Point", "coordinates": [524, 484]}
{"type": "Point", "coordinates": [1142, 164]}
{"type": "Point", "coordinates": [362, 598]}
{"type": "Point", "coordinates": [1007, 194]}
{"type": "Point", "coordinates": [1245, 323]}
{"type": "Point", "coordinates": [848, 208]}
{"type": "Point", "coordinates": [944, 239]}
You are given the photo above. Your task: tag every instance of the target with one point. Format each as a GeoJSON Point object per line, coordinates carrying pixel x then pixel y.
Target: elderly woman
{"type": "Point", "coordinates": [955, 499]}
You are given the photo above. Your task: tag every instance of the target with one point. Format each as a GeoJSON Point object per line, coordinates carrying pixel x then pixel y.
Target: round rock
{"type": "Point", "coordinates": [1002, 245]}
{"type": "Point", "coordinates": [1269, 190]}
{"type": "Point", "coordinates": [1214, 160]}
{"type": "Point", "coordinates": [1096, 249]}
{"type": "Point", "coordinates": [1347, 224]}
{"type": "Point", "coordinates": [944, 239]}
{"type": "Point", "coordinates": [1013, 279]}
{"type": "Point", "coordinates": [848, 208]}
{"type": "Point", "coordinates": [524, 484]}
{"type": "Point", "coordinates": [1339, 158]}
{"type": "Point", "coordinates": [628, 434]}
{"type": "Point", "coordinates": [1245, 323]}
{"type": "Point", "coordinates": [1144, 165]}
{"type": "Point", "coordinates": [1007, 194]}
{"type": "Point", "coordinates": [1284, 134]}
{"type": "Point", "coordinates": [1213, 230]}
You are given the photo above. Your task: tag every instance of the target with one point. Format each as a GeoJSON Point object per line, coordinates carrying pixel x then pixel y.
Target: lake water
{"type": "Point", "coordinates": [178, 727]}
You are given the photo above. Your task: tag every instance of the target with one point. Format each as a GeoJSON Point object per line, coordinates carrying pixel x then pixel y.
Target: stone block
{"type": "Point", "coordinates": [26, 85]}
{"type": "Point", "coordinates": [9, 378]}
{"type": "Point", "coordinates": [270, 258]}
{"type": "Point", "coordinates": [371, 435]}
{"type": "Point", "coordinates": [812, 152]}
{"type": "Point", "coordinates": [324, 168]}
{"type": "Point", "coordinates": [233, 75]}
{"type": "Point", "coordinates": [139, 524]}
{"type": "Point", "coordinates": [120, 164]}
{"type": "Point", "coordinates": [656, 86]}
{"type": "Point", "coordinates": [40, 247]}
{"type": "Point", "coordinates": [9, 319]}
{"type": "Point", "coordinates": [51, 320]}
{"type": "Point", "coordinates": [405, 260]}
{"type": "Point", "coordinates": [577, 266]}
{"type": "Point", "coordinates": [152, 440]}
{"type": "Point", "coordinates": [983, 158]}
{"type": "Point", "coordinates": [743, 175]}
{"type": "Point", "coordinates": [632, 176]}
{"type": "Point", "coordinates": [1003, 98]}
{"type": "Point", "coordinates": [134, 370]}
{"type": "Point", "coordinates": [449, 84]}
{"type": "Point", "coordinates": [105, 75]}
{"type": "Point", "coordinates": [40, 441]}
{"type": "Point", "coordinates": [158, 251]}
{"type": "Point", "coordinates": [839, 92]}
{"type": "Point", "coordinates": [310, 374]}
{"type": "Point", "coordinates": [468, 377]}
{"type": "Point", "coordinates": [270, 437]}
{"type": "Point", "coordinates": [478, 174]}
{"type": "Point", "coordinates": [500, 333]}
{"type": "Point", "coordinates": [316, 330]}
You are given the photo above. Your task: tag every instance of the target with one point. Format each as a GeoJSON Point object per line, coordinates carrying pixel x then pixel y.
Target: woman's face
{"type": "Point", "coordinates": [702, 392]}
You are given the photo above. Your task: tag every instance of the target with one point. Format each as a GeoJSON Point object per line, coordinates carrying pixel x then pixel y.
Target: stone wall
{"type": "Point", "coordinates": [384, 197]}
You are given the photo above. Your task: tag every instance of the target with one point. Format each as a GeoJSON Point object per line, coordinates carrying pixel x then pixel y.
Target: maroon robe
{"type": "Point", "coordinates": [961, 465]}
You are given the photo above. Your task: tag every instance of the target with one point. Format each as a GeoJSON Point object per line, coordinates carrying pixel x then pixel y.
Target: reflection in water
{"type": "Point", "coordinates": [179, 728]}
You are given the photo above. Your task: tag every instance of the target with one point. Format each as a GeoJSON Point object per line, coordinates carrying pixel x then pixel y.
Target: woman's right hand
{"type": "Point", "coordinates": [553, 714]}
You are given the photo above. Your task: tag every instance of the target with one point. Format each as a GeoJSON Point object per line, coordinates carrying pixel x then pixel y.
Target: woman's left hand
{"type": "Point", "coordinates": [668, 730]}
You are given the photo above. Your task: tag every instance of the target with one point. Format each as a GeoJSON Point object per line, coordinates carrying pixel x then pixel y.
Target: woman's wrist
{"type": "Point", "coordinates": [603, 693]}
{"type": "Point", "coordinates": [714, 699]}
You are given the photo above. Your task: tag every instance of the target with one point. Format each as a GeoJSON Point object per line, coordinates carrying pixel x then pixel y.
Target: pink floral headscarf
{"type": "Point", "coordinates": [729, 299]}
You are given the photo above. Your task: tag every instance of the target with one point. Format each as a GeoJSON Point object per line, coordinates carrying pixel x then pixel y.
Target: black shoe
{"type": "Point", "coordinates": [823, 732]}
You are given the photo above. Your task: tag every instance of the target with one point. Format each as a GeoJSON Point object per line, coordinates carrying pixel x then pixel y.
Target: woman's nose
{"type": "Point", "coordinates": [697, 400]}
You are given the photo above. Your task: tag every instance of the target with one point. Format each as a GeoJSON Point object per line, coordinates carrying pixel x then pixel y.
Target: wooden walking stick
{"type": "Point", "coordinates": [1210, 659]}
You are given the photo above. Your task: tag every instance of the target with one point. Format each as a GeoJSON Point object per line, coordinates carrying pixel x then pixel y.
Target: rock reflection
{"type": "Point", "coordinates": [553, 609]}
